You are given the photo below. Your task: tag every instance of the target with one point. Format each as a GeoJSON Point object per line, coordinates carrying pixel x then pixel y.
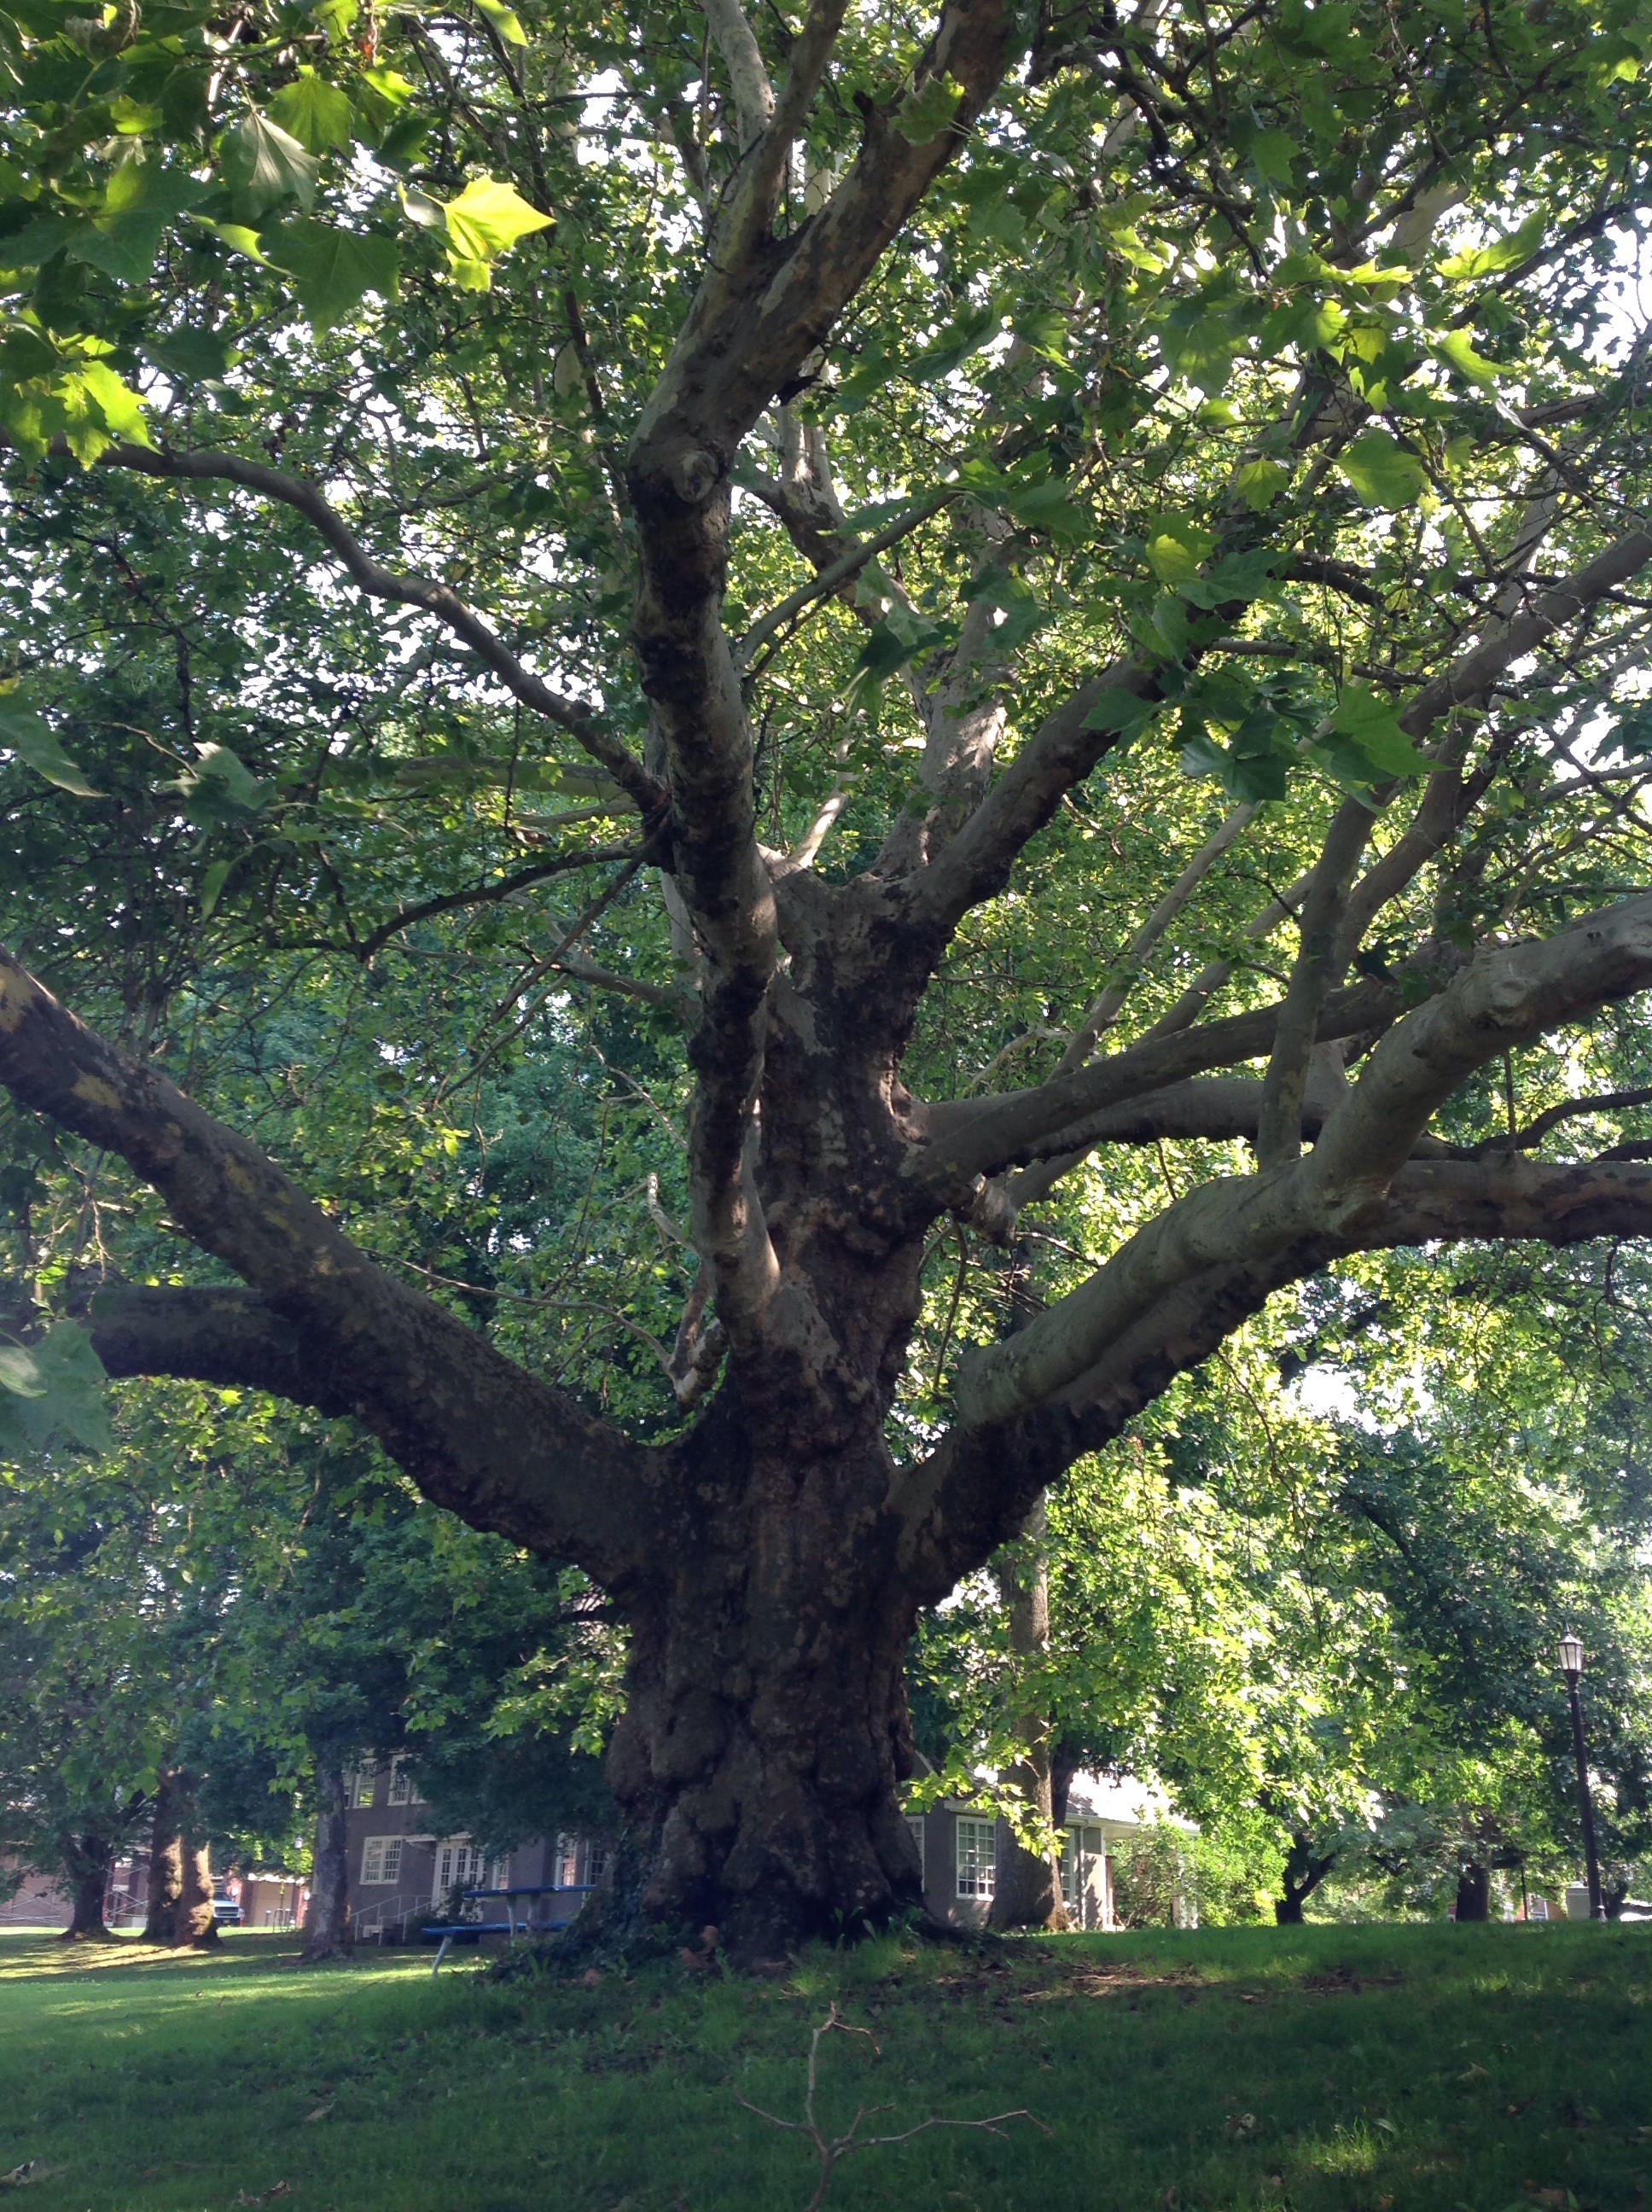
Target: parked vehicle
{"type": "Point", "coordinates": [226, 1912]}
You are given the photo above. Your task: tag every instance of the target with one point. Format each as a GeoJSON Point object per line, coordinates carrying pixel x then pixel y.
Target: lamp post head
{"type": "Point", "coordinates": [1571, 1654]}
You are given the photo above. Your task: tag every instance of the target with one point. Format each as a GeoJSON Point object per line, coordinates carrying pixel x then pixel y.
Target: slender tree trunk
{"type": "Point", "coordinates": [1028, 1893]}
{"type": "Point", "coordinates": [1287, 1911]}
{"type": "Point", "coordinates": [327, 1931]}
{"type": "Point", "coordinates": [166, 1879]}
{"type": "Point", "coordinates": [1473, 1892]}
{"type": "Point", "coordinates": [89, 1862]}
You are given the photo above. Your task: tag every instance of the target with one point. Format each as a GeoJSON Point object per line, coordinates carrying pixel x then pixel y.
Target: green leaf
{"type": "Point", "coordinates": [336, 19]}
{"type": "Point", "coordinates": [191, 357]}
{"type": "Point", "coordinates": [331, 270]}
{"type": "Point", "coordinates": [265, 165]}
{"type": "Point", "coordinates": [1259, 484]}
{"type": "Point", "coordinates": [1043, 330]}
{"type": "Point", "coordinates": [1500, 254]}
{"type": "Point", "coordinates": [504, 20]}
{"type": "Point", "coordinates": [924, 114]}
{"type": "Point", "coordinates": [218, 788]}
{"type": "Point", "coordinates": [484, 221]}
{"type": "Point", "coordinates": [54, 1387]}
{"type": "Point", "coordinates": [118, 407]}
{"type": "Point", "coordinates": [974, 328]}
{"type": "Point", "coordinates": [315, 112]}
{"type": "Point", "coordinates": [1048, 506]}
{"type": "Point", "coordinates": [1381, 470]}
{"type": "Point", "coordinates": [1368, 720]}
{"type": "Point", "coordinates": [1175, 550]}
{"type": "Point", "coordinates": [212, 885]}
{"type": "Point", "coordinates": [20, 1374]}
{"type": "Point", "coordinates": [1122, 711]}
{"type": "Point", "coordinates": [23, 732]}
{"type": "Point", "coordinates": [1454, 349]}
{"type": "Point", "coordinates": [1272, 151]}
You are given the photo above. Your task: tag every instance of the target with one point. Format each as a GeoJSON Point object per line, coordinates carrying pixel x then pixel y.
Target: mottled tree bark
{"type": "Point", "coordinates": [166, 1875]}
{"type": "Point", "coordinates": [194, 1924]}
{"type": "Point", "coordinates": [327, 1931]}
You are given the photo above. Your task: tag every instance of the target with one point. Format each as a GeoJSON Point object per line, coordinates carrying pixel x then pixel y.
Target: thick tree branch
{"type": "Point", "coordinates": [971, 1494]}
{"type": "Point", "coordinates": [1504, 998]}
{"type": "Point", "coordinates": [474, 1430]}
{"type": "Point", "coordinates": [754, 96]}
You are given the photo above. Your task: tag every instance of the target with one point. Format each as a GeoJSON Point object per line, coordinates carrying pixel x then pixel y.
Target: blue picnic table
{"type": "Point", "coordinates": [444, 1934]}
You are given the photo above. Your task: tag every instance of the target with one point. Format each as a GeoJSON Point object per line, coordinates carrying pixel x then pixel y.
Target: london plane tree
{"type": "Point", "coordinates": [1082, 571]}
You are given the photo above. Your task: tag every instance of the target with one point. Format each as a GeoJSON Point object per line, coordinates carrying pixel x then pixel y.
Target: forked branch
{"type": "Point", "coordinates": [832, 2150]}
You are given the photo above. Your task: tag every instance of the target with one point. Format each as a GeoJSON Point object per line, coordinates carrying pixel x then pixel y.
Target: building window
{"type": "Point", "coordinates": [977, 1858]}
{"type": "Point", "coordinates": [915, 1823]}
{"type": "Point", "coordinates": [402, 1791]}
{"type": "Point", "coordinates": [361, 1783]}
{"type": "Point", "coordinates": [458, 1866]}
{"type": "Point", "coordinates": [381, 1859]}
{"type": "Point", "coordinates": [567, 1862]}
{"type": "Point", "coordinates": [599, 1864]}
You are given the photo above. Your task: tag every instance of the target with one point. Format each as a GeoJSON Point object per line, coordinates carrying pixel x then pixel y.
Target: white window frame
{"type": "Point", "coordinates": [402, 1791]}
{"type": "Point", "coordinates": [381, 1862]}
{"type": "Point", "coordinates": [976, 1847]}
{"type": "Point", "coordinates": [458, 1865]}
{"type": "Point", "coordinates": [363, 1783]}
{"type": "Point", "coordinates": [567, 1862]}
{"type": "Point", "coordinates": [920, 1828]}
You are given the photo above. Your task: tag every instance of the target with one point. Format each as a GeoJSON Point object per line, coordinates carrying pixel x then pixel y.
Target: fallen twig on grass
{"type": "Point", "coordinates": [831, 2149]}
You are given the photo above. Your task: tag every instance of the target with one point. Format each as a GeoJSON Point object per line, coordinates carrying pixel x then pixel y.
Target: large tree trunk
{"type": "Point", "coordinates": [1028, 1892]}
{"type": "Point", "coordinates": [89, 1862]}
{"type": "Point", "coordinates": [758, 1760]}
{"type": "Point", "coordinates": [327, 1931]}
{"type": "Point", "coordinates": [1473, 1892]}
{"type": "Point", "coordinates": [166, 1879]}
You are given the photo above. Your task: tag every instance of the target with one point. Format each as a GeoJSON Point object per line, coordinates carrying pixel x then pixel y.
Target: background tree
{"type": "Point", "coordinates": [1264, 379]}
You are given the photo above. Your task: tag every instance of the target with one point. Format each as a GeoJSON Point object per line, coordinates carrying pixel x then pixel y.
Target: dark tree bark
{"type": "Point", "coordinates": [89, 1860]}
{"type": "Point", "coordinates": [1305, 1869]}
{"type": "Point", "coordinates": [327, 1931]}
{"type": "Point", "coordinates": [166, 1874]}
{"type": "Point", "coordinates": [1473, 1892]}
{"type": "Point", "coordinates": [770, 1563]}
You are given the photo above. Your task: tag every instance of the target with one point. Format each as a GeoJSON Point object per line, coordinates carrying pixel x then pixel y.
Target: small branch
{"type": "Point", "coordinates": [1535, 1131]}
{"type": "Point", "coordinates": [831, 2150]}
{"type": "Point", "coordinates": [483, 894]}
{"type": "Point", "coordinates": [1104, 1011]}
{"type": "Point", "coordinates": [836, 574]}
{"type": "Point", "coordinates": [405, 590]}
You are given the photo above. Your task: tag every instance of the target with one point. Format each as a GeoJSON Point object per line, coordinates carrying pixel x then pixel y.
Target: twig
{"type": "Point", "coordinates": [831, 2149]}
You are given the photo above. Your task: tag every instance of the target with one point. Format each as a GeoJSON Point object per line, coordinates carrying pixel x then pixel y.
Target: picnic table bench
{"type": "Point", "coordinates": [444, 1934]}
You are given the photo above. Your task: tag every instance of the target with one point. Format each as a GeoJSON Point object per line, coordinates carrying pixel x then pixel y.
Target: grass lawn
{"type": "Point", "coordinates": [1329, 2069]}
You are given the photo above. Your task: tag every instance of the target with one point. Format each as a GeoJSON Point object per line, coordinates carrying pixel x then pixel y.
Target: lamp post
{"type": "Point", "coordinates": [1571, 1666]}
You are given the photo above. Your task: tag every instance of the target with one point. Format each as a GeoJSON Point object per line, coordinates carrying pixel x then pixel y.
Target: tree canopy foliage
{"type": "Point", "coordinates": [776, 751]}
